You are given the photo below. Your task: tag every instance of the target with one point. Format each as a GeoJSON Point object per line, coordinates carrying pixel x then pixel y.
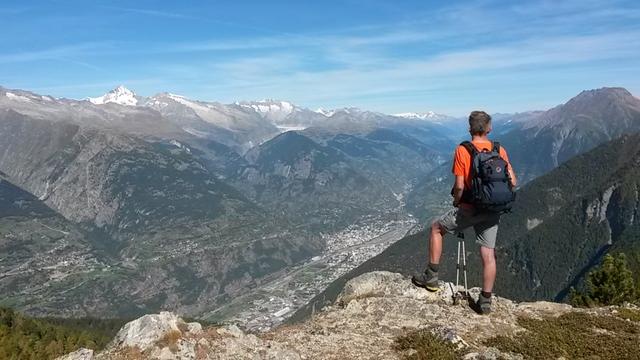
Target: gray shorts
{"type": "Point", "coordinates": [484, 224]}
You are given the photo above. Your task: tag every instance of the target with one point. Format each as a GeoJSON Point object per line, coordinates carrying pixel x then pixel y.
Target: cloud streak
{"type": "Point", "coordinates": [150, 12]}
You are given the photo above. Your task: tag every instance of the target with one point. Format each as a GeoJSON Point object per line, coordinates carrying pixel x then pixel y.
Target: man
{"type": "Point", "coordinates": [465, 214]}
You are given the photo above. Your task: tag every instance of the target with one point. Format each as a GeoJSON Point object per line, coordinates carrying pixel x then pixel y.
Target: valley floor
{"type": "Point", "coordinates": [285, 292]}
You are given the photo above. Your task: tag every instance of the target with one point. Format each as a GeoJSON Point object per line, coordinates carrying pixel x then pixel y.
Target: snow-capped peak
{"type": "Point", "coordinates": [120, 95]}
{"type": "Point", "coordinates": [270, 107]}
{"type": "Point", "coordinates": [421, 116]}
{"type": "Point", "coordinates": [176, 97]}
{"type": "Point", "coordinates": [327, 113]}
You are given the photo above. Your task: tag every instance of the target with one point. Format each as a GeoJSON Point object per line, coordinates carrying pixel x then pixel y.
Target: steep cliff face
{"type": "Point", "coordinates": [380, 315]}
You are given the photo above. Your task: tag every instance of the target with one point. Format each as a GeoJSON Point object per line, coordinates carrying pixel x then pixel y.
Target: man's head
{"type": "Point", "coordinates": [479, 123]}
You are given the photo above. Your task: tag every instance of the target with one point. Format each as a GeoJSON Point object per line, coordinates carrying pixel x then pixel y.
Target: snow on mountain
{"type": "Point", "coordinates": [232, 125]}
{"type": "Point", "coordinates": [429, 115]}
{"type": "Point", "coordinates": [327, 113]}
{"type": "Point", "coordinates": [13, 96]}
{"type": "Point", "coordinates": [273, 110]}
{"type": "Point", "coordinates": [270, 107]}
{"type": "Point", "coordinates": [195, 105]}
{"type": "Point", "coordinates": [23, 96]}
{"type": "Point", "coordinates": [283, 114]}
{"type": "Point", "coordinates": [120, 95]}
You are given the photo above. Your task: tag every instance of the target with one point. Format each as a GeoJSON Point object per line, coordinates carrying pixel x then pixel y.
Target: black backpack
{"type": "Point", "coordinates": [490, 182]}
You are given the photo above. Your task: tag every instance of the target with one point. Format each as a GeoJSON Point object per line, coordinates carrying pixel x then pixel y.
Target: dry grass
{"type": "Point", "coordinates": [183, 327]}
{"type": "Point", "coordinates": [573, 336]}
{"type": "Point", "coordinates": [170, 340]}
{"type": "Point", "coordinates": [281, 330]}
{"type": "Point", "coordinates": [423, 345]}
{"type": "Point", "coordinates": [129, 353]}
{"type": "Point", "coordinates": [630, 314]}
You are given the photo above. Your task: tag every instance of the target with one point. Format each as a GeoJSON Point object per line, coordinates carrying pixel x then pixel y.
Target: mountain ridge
{"type": "Point", "coordinates": [586, 120]}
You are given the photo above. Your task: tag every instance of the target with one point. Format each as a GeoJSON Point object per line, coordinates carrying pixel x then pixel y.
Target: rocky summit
{"type": "Point", "coordinates": [381, 315]}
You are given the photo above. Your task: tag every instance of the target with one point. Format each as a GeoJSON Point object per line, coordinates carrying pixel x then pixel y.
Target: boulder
{"type": "Point", "coordinates": [148, 330]}
{"type": "Point", "coordinates": [388, 284]}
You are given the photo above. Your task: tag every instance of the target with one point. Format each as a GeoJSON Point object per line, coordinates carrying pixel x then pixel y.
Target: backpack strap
{"type": "Point", "coordinates": [467, 195]}
{"type": "Point", "coordinates": [470, 148]}
{"type": "Point", "coordinates": [496, 147]}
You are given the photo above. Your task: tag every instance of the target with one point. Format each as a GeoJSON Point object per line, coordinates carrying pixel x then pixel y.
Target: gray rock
{"type": "Point", "coordinates": [384, 283]}
{"type": "Point", "coordinates": [147, 330]}
{"type": "Point", "coordinates": [80, 354]}
{"type": "Point", "coordinates": [231, 330]}
{"type": "Point", "coordinates": [492, 354]}
{"type": "Point", "coordinates": [194, 328]}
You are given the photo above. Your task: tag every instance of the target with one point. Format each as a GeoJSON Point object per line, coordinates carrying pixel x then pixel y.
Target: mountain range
{"type": "Point", "coordinates": [172, 203]}
{"type": "Point", "coordinates": [165, 202]}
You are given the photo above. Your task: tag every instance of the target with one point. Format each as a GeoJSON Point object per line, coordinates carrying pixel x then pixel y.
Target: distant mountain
{"type": "Point", "coordinates": [430, 115]}
{"type": "Point", "coordinates": [313, 183]}
{"type": "Point", "coordinates": [285, 115]}
{"type": "Point", "coordinates": [133, 120]}
{"type": "Point", "coordinates": [554, 136]}
{"type": "Point", "coordinates": [232, 125]}
{"type": "Point", "coordinates": [241, 125]}
{"type": "Point", "coordinates": [119, 95]}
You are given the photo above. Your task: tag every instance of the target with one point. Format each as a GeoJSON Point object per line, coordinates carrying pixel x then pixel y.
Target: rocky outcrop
{"type": "Point", "coordinates": [373, 310]}
{"type": "Point", "coordinates": [149, 329]}
{"type": "Point", "coordinates": [80, 354]}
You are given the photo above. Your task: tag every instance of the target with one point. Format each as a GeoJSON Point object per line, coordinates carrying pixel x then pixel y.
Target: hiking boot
{"type": "Point", "coordinates": [484, 305]}
{"type": "Point", "coordinates": [428, 280]}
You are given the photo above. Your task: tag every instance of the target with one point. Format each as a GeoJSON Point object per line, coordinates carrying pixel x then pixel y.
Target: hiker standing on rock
{"type": "Point", "coordinates": [483, 190]}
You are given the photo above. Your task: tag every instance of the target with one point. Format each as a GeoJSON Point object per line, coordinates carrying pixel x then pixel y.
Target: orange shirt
{"type": "Point", "coordinates": [462, 160]}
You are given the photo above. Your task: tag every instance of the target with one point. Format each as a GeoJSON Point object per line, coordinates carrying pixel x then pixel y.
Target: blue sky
{"type": "Point", "coordinates": [389, 56]}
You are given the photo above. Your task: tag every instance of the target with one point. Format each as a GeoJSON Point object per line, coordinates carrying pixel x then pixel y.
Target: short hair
{"type": "Point", "coordinates": [479, 122]}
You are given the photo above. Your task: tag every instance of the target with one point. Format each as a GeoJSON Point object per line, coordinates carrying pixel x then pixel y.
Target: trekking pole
{"type": "Point", "coordinates": [456, 294]}
{"type": "Point", "coordinates": [458, 268]}
{"type": "Point", "coordinates": [464, 269]}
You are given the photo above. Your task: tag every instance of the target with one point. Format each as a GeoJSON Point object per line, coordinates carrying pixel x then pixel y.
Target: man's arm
{"type": "Point", "coordinates": [458, 188]}
{"type": "Point", "coordinates": [512, 176]}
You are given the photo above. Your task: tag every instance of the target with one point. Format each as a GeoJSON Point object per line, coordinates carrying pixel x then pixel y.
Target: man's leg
{"type": "Point", "coordinates": [488, 268]}
{"type": "Point", "coordinates": [486, 234]}
{"type": "Point", "coordinates": [435, 242]}
{"type": "Point", "coordinates": [446, 223]}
